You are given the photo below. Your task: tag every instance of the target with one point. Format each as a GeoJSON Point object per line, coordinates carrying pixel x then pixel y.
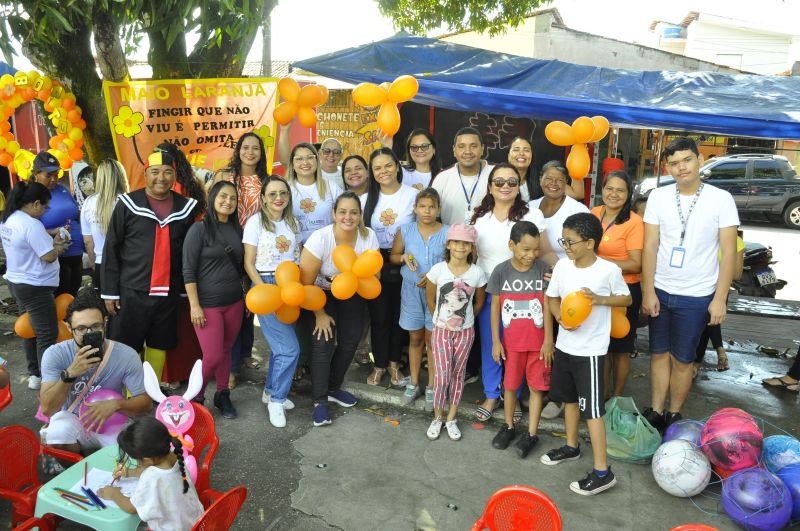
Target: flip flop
{"type": "Point", "coordinates": [722, 363]}
{"type": "Point", "coordinates": [483, 414]}
{"type": "Point", "coordinates": [777, 382]}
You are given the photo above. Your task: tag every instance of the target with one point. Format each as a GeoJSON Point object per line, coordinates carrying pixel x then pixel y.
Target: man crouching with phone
{"type": "Point", "coordinates": [84, 371]}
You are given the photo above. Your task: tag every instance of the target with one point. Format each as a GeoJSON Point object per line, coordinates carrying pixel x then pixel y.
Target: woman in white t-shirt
{"type": "Point", "coordinates": [111, 181]}
{"type": "Point", "coordinates": [500, 209]}
{"type": "Point", "coordinates": [32, 268]}
{"type": "Point", "coordinates": [421, 162]}
{"type": "Point", "coordinates": [338, 326]}
{"type": "Point", "coordinates": [312, 195]}
{"type": "Point", "coordinates": [556, 205]}
{"type": "Point", "coordinates": [520, 155]}
{"type": "Point", "coordinates": [271, 236]}
{"type": "Point", "coordinates": [330, 154]}
{"type": "Point", "coordinates": [389, 204]}
{"type": "Point", "coordinates": [356, 174]}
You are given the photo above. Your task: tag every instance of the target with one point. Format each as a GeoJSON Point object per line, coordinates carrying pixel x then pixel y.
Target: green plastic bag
{"type": "Point", "coordinates": [629, 437]}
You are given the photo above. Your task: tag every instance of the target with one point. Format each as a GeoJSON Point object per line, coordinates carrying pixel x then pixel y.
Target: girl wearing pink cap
{"type": "Point", "coordinates": [456, 291]}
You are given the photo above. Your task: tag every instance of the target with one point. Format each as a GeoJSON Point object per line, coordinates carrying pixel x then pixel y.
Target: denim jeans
{"type": "Point", "coordinates": [284, 351]}
{"type": "Point", "coordinates": [40, 304]}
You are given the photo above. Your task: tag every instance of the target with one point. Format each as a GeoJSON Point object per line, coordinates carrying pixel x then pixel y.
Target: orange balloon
{"type": "Point", "coordinates": [575, 308]}
{"type": "Point", "coordinates": [23, 327]}
{"type": "Point", "coordinates": [620, 309]}
{"type": "Point", "coordinates": [74, 115]}
{"type": "Point", "coordinates": [292, 294]}
{"type": "Point", "coordinates": [325, 94]}
{"type": "Point", "coordinates": [28, 93]}
{"type": "Point", "coordinates": [368, 264]}
{"type": "Point", "coordinates": [43, 94]}
{"type": "Point", "coordinates": [263, 299]}
{"type": "Point", "coordinates": [578, 162]}
{"type": "Point", "coordinates": [68, 103]}
{"type": "Point", "coordinates": [76, 154]}
{"type": "Point", "coordinates": [289, 89]}
{"type": "Point", "coordinates": [369, 95]}
{"type": "Point", "coordinates": [67, 164]}
{"type": "Point", "coordinates": [306, 116]}
{"type": "Point", "coordinates": [389, 118]}
{"type": "Point", "coordinates": [64, 333]}
{"type": "Point", "coordinates": [287, 272]}
{"type": "Point", "coordinates": [600, 128]}
{"type": "Point", "coordinates": [583, 129]}
{"type": "Point", "coordinates": [559, 133]}
{"type": "Point", "coordinates": [285, 112]}
{"type": "Point", "coordinates": [288, 314]}
{"type": "Point", "coordinates": [344, 285]}
{"type": "Point", "coordinates": [315, 298]}
{"type": "Point", "coordinates": [620, 326]}
{"type": "Point", "coordinates": [5, 126]}
{"type": "Point", "coordinates": [310, 96]}
{"type": "Point", "coordinates": [369, 287]}
{"type": "Point", "coordinates": [62, 301]}
{"type": "Point", "coordinates": [5, 159]}
{"type": "Point", "coordinates": [403, 89]}
{"type": "Point", "coordinates": [344, 257]}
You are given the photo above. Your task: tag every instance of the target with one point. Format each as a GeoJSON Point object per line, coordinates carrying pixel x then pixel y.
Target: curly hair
{"type": "Point", "coordinates": [235, 167]}
{"type": "Point", "coordinates": [518, 209]}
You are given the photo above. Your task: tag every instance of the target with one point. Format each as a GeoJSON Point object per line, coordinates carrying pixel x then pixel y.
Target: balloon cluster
{"type": "Point", "coordinates": [357, 273]}
{"type": "Point", "coordinates": [23, 328]}
{"type": "Point", "coordinates": [576, 307]}
{"type": "Point", "coordinates": [299, 101]}
{"type": "Point", "coordinates": [584, 130]}
{"type": "Point", "coordinates": [65, 115]}
{"type": "Point", "coordinates": [387, 95]}
{"type": "Point", "coordinates": [287, 297]}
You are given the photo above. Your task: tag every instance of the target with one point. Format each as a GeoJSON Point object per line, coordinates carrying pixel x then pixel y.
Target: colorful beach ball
{"type": "Point", "coordinates": [731, 440]}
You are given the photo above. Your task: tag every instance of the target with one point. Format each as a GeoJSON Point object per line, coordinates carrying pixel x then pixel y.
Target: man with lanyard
{"type": "Point", "coordinates": [688, 225]}
{"type": "Point", "coordinates": [462, 187]}
{"type": "Point", "coordinates": [142, 262]}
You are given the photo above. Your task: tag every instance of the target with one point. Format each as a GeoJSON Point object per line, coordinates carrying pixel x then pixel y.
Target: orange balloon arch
{"type": "Point", "coordinates": [584, 130]}
{"type": "Point", "coordinates": [357, 273]}
{"type": "Point", "coordinates": [387, 95]}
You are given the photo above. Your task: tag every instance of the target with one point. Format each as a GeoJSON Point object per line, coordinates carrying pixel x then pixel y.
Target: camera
{"type": "Point", "coordinates": [94, 340]}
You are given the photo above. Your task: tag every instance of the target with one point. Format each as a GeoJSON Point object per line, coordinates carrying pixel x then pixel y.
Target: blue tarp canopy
{"type": "Point", "coordinates": [5, 69]}
{"type": "Point", "coordinates": [454, 76]}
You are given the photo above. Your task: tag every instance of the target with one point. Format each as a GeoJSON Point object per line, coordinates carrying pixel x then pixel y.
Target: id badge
{"type": "Point", "coordinates": [467, 217]}
{"type": "Point", "coordinates": [677, 257]}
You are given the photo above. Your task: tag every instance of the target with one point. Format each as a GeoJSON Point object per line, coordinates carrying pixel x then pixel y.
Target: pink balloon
{"type": "Point", "coordinates": [115, 422]}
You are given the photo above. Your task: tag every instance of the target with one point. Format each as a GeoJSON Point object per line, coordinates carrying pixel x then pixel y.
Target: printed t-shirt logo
{"type": "Point", "coordinates": [282, 243]}
{"type": "Point", "coordinates": [308, 205]}
{"type": "Point", "coordinates": [388, 217]}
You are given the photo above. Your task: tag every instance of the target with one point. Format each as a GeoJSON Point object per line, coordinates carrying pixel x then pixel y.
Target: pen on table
{"type": "Point", "coordinates": [85, 473]}
{"type": "Point", "coordinates": [73, 502]}
{"type": "Point", "coordinates": [94, 497]}
{"type": "Point", "coordinates": [79, 497]}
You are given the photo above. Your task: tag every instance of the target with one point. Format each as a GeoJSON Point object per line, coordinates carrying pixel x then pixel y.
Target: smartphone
{"type": "Point", "coordinates": [95, 340]}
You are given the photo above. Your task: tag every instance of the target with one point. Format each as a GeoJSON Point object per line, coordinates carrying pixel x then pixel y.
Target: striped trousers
{"type": "Point", "coordinates": [450, 353]}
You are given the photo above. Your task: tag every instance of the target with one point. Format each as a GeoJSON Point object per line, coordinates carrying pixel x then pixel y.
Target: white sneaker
{"type": "Point", "coordinates": [277, 415]}
{"type": "Point", "coordinates": [435, 429]}
{"type": "Point", "coordinates": [265, 396]}
{"type": "Point", "coordinates": [452, 430]}
{"type": "Point", "coordinates": [552, 410]}
{"type": "Point", "coordinates": [34, 382]}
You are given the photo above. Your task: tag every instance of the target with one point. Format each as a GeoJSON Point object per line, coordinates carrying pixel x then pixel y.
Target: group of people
{"type": "Point", "coordinates": [477, 259]}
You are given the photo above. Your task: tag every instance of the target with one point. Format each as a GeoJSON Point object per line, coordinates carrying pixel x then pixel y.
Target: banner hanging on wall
{"type": "Point", "coordinates": [203, 117]}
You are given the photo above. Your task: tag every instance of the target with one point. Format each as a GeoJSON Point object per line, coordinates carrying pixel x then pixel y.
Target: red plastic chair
{"type": "Point", "coordinates": [44, 524]}
{"type": "Point", "coordinates": [5, 397]}
{"type": "Point", "coordinates": [221, 514]}
{"type": "Point", "coordinates": [19, 480]}
{"type": "Point", "coordinates": [519, 507]}
{"type": "Point", "coordinates": [204, 434]}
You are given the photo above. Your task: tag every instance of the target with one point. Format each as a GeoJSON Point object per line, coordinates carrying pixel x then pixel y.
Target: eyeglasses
{"type": "Point", "coordinates": [328, 151]}
{"type": "Point", "coordinates": [566, 244]}
{"type": "Point", "coordinates": [307, 158]}
{"type": "Point", "coordinates": [512, 182]}
{"type": "Point", "coordinates": [272, 196]}
{"type": "Point", "coordinates": [421, 147]}
{"type": "Point", "coordinates": [81, 330]}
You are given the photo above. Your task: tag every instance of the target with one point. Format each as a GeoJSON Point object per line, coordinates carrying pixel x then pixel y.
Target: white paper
{"type": "Point", "coordinates": [96, 479]}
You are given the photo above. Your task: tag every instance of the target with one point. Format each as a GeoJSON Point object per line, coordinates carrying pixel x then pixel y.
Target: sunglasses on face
{"type": "Point", "coordinates": [512, 182]}
{"type": "Point", "coordinates": [329, 151]}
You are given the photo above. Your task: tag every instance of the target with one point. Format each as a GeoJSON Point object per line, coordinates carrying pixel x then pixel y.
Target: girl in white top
{"type": "Point", "coordinates": [421, 162]}
{"type": "Point", "coordinates": [111, 181]}
{"type": "Point", "coordinates": [312, 195]}
{"type": "Point", "coordinates": [164, 497]}
{"type": "Point", "coordinates": [556, 205]}
{"type": "Point", "coordinates": [499, 210]}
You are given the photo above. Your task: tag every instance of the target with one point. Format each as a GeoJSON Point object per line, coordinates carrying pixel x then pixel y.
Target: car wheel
{"type": "Point", "coordinates": [791, 216]}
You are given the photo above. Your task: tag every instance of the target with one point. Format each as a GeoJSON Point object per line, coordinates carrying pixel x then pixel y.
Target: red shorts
{"type": "Point", "coordinates": [528, 364]}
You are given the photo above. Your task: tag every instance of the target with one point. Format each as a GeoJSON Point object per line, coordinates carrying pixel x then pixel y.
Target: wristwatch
{"type": "Point", "coordinates": [66, 378]}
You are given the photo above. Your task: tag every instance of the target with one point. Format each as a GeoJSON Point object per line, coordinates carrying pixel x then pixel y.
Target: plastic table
{"type": "Point", "coordinates": [49, 501]}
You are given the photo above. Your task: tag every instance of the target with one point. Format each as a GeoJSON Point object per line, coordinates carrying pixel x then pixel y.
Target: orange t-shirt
{"type": "Point", "coordinates": [619, 239]}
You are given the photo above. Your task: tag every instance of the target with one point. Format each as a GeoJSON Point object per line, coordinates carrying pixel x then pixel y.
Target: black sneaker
{"type": "Point", "coordinates": [593, 484]}
{"type": "Point", "coordinates": [525, 444]}
{"type": "Point", "coordinates": [559, 455]}
{"type": "Point", "coordinates": [504, 437]}
{"type": "Point", "coordinates": [222, 401]}
{"type": "Point", "coordinates": [670, 418]}
{"type": "Point", "coordinates": [656, 420]}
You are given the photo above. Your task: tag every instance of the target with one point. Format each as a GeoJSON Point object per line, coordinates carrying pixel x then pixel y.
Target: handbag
{"type": "Point", "coordinates": [244, 282]}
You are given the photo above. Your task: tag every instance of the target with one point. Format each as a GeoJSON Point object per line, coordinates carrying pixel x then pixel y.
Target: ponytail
{"type": "Point", "coordinates": [23, 194]}
{"type": "Point", "coordinates": [178, 449]}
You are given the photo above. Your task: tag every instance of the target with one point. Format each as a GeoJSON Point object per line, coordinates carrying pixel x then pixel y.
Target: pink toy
{"type": "Point", "coordinates": [115, 422]}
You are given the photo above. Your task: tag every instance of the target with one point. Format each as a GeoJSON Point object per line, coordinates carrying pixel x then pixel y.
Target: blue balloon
{"type": "Point", "coordinates": [780, 451]}
{"type": "Point", "coordinates": [757, 500]}
{"type": "Point", "coordinates": [686, 429]}
{"type": "Point", "coordinates": [790, 475]}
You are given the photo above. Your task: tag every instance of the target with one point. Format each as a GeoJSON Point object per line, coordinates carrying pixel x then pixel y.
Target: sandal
{"type": "Point", "coordinates": [376, 376]}
{"type": "Point", "coordinates": [483, 414]}
{"type": "Point", "coordinates": [722, 362]}
{"type": "Point", "coordinates": [251, 363]}
{"type": "Point", "coordinates": [396, 376]}
{"type": "Point", "coordinates": [299, 373]}
{"type": "Point", "coordinates": [778, 382]}
{"type": "Point", "coordinates": [232, 381]}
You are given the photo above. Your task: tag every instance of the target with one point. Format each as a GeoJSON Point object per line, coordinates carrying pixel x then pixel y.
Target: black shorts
{"type": "Point", "coordinates": [627, 344]}
{"type": "Point", "coordinates": [579, 380]}
{"type": "Point", "coordinates": [142, 319]}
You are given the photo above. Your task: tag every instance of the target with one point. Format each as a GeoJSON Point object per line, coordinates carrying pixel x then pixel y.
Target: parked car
{"type": "Point", "coordinates": [763, 186]}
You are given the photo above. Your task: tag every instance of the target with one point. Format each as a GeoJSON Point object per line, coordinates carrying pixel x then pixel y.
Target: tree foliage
{"type": "Point", "coordinates": [493, 16]}
{"type": "Point", "coordinates": [57, 37]}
